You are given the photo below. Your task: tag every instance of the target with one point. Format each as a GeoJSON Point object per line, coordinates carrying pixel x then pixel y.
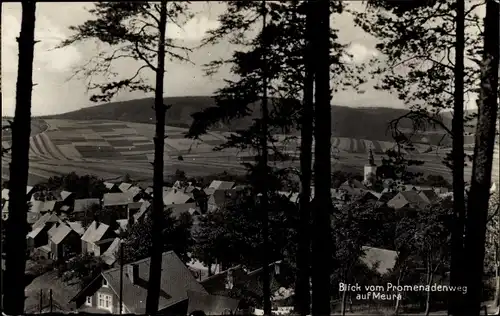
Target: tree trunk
{"type": "Point", "coordinates": [159, 142]}
{"type": "Point", "coordinates": [456, 273]}
{"type": "Point", "coordinates": [17, 226]}
{"type": "Point", "coordinates": [266, 283]}
{"type": "Point", "coordinates": [302, 290]}
{"type": "Point", "coordinates": [483, 159]}
{"type": "Point", "coordinates": [322, 239]}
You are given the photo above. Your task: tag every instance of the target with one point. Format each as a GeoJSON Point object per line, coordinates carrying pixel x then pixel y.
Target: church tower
{"type": "Point", "coordinates": [370, 170]}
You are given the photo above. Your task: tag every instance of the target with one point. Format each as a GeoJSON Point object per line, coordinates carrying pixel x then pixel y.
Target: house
{"type": "Point", "coordinates": [382, 259]}
{"type": "Point", "coordinates": [124, 186]}
{"type": "Point", "coordinates": [176, 281]}
{"type": "Point", "coordinates": [209, 191]}
{"type": "Point", "coordinates": [118, 202]}
{"type": "Point", "coordinates": [67, 197]}
{"type": "Point", "coordinates": [429, 196]}
{"type": "Point", "coordinates": [29, 191]}
{"type": "Point", "coordinates": [82, 208]}
{"type": "Point", "coordinates": [386, 196]}
{"type": "Point", "coordinates": [407, 199]}
{"type": "Point", "coordinates": [63, 242]}
{"type": "Point", "coordinates": [111, 187]}
{"type": "Point", "coordinates": [149, 191]}
{"type": "Point", "coordinates": [110, 255]}
{"type": "Point", "coordinates": [136, 193]}
{"type": "Point", "coordinates": [221, 185]}
{"type": "Point", "coordinates": [95, 233]}
{"type": "Point", "coordinates": [139, 215]}
{"type": "Point", "coordinates": [175, 196]}
{"type": "Point", "coordinates": [38, 236]}
{"type": "Point", "coordinates": [76, 226]}
{"type": "Point", "coordinates": [132, 209]}
{"type": "Point", "coordinates": [220, 199]}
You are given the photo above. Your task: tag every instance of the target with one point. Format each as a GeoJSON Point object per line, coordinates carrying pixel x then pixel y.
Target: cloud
{"type": "Point", "coordinates": [359, 53]}
{"type": "Point", "coordinates": [193, 30]}
{"type": "Point", "coordinates": [49, 35]}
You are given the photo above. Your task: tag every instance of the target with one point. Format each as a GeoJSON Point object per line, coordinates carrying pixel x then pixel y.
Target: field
{"type": "Point", "coordinates": [110, 149]}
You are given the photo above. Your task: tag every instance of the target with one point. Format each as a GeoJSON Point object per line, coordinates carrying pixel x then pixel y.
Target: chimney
{"type": "Point", "coordinates": [133, 272]}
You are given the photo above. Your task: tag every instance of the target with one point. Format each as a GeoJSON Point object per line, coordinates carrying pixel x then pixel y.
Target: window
{"type": "Point", "coordinates": [104, 283]}
{"type": "Point", "coordinates": [88, 302]}
{"type": "Point", "coordinates": [105, 302]}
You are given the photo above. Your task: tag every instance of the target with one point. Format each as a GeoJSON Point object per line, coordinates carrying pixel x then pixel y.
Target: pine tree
{"type": "Point", "coordinates": [477, 212]}
{"type": "Point", "coordinates": [136, 31]}
{"type": "Point", "coordinates": [17, 226]}
{"type": "Point", "coordinates": [321, 248]}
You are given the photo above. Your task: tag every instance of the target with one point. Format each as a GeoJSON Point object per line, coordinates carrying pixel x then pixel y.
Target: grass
{"type": "Point", "coordinates": [361, 123]}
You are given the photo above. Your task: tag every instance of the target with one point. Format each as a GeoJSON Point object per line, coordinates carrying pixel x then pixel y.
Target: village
{"type": "Point", "coordinates": [63, 227]}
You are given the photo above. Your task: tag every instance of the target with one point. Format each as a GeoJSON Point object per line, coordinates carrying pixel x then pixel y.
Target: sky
{"type": "Point", "coordinates": [54, 93]}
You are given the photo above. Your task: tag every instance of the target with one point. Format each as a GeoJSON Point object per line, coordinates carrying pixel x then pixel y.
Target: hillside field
{"type": "Point", "coordinates": [110, 149]}
{"type": "Point", "coordinates": [359, 123]}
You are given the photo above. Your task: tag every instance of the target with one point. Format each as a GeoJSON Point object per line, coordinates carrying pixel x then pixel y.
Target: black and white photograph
{"type": "Point", "coordinates": [251, 157]}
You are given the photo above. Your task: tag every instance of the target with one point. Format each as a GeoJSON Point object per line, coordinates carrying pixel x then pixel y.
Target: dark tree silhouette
{"type": "Point", "coordinates": [477, 212]}
{"type": "Point", "coordinates": [142, 39]}
{"type": "Point", "coordinates": [17, 226]}
{"type": "Point", "coordinates": [321, 250]}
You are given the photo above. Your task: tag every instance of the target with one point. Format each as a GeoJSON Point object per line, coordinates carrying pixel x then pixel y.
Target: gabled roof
{"type": "Point", "coordinates": [114, 199]}
{"type": "Point", "coordinates": [222, 197]}
{"type": "Point", "coordinates": [405, 198]}
{"type": "Point", "coordinates": [32, 217]}
{"type": "Point", "coordinates": [60, 233]}
{"type": "Point", "coordinates": [95, 232]}
{"type": "Point", "coordinates": [65, 195]}
{"type": "Point", "coordinates": [82, 205]}
{"type": "Point", "coordinates": [176, 281]}
{"type": "Point", "coordinates": [221, 185]}
{"type": "Point", "coordinates": [124, 186]}
{"type": "Point", "coordinates": [109, 185]}
{"type": "Point", "coordinates": [209, 191]}
{"type": "Point", "coordinates": [109, 256]}
{"type": "Point", "coordinates": [175, 197]}
{"type": "Point", "coordinates": [45, 219]}
{"type": "Point", "coordinates": [35, 231]}
{"type": "Point", "coordinates": [144, 207]}
{"type": "Point", "coordinates": [429, 196]}
{"type": "Point", "coordinates": [29, 188]}
{"type": "Point", "coordinates": [77, 227]}
{"type": "Point", "coordinates": [134, 191]}
{"type": "Point", "coordinates": [384, 259]}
